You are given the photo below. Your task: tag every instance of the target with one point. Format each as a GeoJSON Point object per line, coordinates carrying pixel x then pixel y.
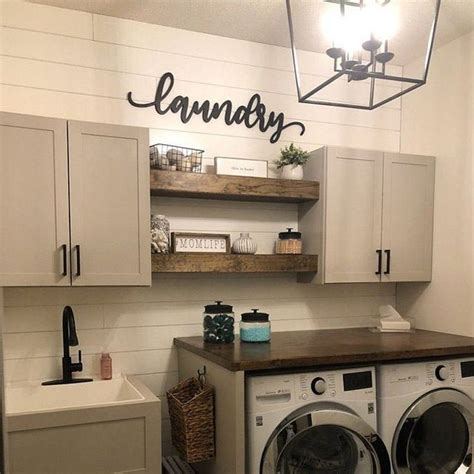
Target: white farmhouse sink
{"type": "Point", "coordinates": [104, 426]}
{"type": "Point", "coordinates": [33, 397]}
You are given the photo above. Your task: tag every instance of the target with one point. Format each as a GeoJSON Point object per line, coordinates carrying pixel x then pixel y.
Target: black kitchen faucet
{"type": "Point", "coordinates": [69, 339]}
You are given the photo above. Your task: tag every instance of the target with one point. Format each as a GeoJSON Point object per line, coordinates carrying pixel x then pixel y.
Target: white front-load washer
{"type": "Point", "coordinates": [318, 422]}
{"type": "Point", "coordinates": [425, 415]}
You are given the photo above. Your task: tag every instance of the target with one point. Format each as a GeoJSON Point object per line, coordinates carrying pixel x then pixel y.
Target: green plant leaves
{"type": "Point", "coordinates": [292, 155]}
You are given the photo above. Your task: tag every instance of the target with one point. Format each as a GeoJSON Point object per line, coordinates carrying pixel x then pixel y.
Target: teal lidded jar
{"type": "Point", "coordinates": [255, 327]}
{"type": "Point", "coordinates": [218, 323]}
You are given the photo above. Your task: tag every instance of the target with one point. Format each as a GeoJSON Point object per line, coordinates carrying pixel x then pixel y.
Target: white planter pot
{"type": "Point", "coordinates": [292, 172]}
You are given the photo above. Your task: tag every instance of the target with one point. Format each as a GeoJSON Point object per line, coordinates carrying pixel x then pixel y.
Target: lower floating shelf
{"type": "Point", "coordinates": [232, 263]}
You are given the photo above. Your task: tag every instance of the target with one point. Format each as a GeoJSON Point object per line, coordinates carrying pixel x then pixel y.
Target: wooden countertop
{"type": "Point", "coordinates": [329, 347]}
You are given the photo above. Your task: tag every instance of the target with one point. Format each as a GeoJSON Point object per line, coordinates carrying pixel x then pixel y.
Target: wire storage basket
{"type": "Point", "coordinates": [175, 158]}
{"type": "Point", "coordinates": [191, 410]}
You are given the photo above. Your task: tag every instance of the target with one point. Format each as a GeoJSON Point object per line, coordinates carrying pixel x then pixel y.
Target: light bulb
{"type": "Point", "coordinates": [379, 21]}
{"type": "Point", "coordinates": [332, 26]}
{"type": "Point", "coordinates": [353, 33]}
{"type": "Point", "coordinates": [350, 30]}
{"type": "Point", "coordinates": [344, 30]}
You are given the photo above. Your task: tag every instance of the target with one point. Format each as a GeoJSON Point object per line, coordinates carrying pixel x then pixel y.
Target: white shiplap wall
{"type": "Point", "coordinates": [79, 66]}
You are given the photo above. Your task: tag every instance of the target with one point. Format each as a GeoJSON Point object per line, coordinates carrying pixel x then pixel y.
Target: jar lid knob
{"type": "Point", "coordinates": [219, 302]}
{"type": "Point", "coordinates": [289, 229]}
{"type": "Point", "coordinates": [255, 310]}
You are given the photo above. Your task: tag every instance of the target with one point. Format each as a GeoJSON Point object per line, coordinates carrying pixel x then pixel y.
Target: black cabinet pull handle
{"type": "Point", "coordinates": [379, 265]}
{"type": "Point", "coordinates": [64, 251]}
{"type": "Point", "coordinates": [78, 261]}
{"type": "Point", "coordinates": [387, 270]}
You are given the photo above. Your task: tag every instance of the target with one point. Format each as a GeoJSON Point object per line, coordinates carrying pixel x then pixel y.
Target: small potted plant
{"type": "Point", "coordinates": [291, 161]}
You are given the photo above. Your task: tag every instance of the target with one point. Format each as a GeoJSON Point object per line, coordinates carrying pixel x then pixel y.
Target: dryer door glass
{"type": "Point", "coordinates": [439, 441]}
{"type": "Point", "coordinates": [435, 437]}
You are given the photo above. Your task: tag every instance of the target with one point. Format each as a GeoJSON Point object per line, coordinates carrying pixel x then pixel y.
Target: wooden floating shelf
{"type": "Point", "coordinates": [233, 188]}
{"type": "Point", "coordinates": [231, 263]}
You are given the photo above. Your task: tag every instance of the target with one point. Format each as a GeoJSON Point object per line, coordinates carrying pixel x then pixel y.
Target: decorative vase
{"type": "Point", "coordinates": [244, 244]}
{"type": "Point", "coordinates": [160, 234]}
{"type": "Point", "coordinates": [292, 172]}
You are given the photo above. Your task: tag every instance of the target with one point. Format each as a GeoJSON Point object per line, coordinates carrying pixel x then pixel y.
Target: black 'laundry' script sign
{"type": "Point", "coordinates": [252, 114]}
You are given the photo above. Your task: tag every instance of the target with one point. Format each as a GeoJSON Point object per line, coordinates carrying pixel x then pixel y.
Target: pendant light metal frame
{"type": "Point", "coordinates": [373, 75]}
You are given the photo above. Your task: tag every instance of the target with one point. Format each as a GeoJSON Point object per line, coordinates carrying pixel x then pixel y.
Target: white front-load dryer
{"type": "Point", "coordinates": [426, 414]}
{"type": "Point", "coordinates": [318, 422]}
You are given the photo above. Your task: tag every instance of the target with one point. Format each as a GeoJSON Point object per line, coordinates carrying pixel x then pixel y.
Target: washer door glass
{"type": "Point", "coordinates": [324, 439]}
{"type": "Point", "coordinates": [322, 449]}
{"type": "Point", "coordinates": [439, 441]}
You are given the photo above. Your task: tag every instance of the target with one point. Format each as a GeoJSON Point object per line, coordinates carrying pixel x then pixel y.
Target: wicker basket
{"type": "Point", "coordinates": [191, 409]}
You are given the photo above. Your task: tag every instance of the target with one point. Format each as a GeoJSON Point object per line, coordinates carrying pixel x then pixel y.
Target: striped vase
{"type": "Point", "coordinates": [244, 244]}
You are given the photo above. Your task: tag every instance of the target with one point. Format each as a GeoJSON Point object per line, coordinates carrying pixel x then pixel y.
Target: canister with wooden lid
{"type": "Point", "coordinates": [289, 242]}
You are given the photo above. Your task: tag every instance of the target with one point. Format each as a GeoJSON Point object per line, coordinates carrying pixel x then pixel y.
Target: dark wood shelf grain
{"type": "Point", "coordinates": [231, 263]}
{"type": "Point", "coordinates": [234, 188]}
{"type": "Point", "coordinates": [333, 347]}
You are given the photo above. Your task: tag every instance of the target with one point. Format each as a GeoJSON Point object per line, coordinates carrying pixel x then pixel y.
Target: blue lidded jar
{"type": "Point", "coordinates": [218, 323]}
{"type": "Point", "coordinates": [255, 327]}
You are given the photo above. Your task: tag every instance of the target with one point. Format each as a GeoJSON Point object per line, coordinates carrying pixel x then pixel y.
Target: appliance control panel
{"type": "Point", "coordinates": [272, 392]}
{"type": "Point", "coordinates": [321, 386]}
{"type": "Point", "coordinates": [440, 372]}
{"type": "Point", "coordinates": [417, 376]}
{"type": "Point", "coordinates": [352, 383]}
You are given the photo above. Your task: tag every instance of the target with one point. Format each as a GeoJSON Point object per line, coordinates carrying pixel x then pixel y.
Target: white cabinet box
{"type": "Point", "coordinates": [74, 203]}
{"type": "Point", "coordinates": [374, 219]}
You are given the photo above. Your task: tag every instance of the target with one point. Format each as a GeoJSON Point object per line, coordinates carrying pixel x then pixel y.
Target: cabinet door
{"type": "Point", "coordinates": [34, 211]}
{"type": "Point", "coordinates": [353, 215]}
{"type": "Point", "coordinates": [110, 205]}
{"type": "Point", "coordinates": [408, 202]}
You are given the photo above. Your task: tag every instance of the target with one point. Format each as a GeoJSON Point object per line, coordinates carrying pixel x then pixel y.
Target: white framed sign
{"type": "Point", "coordinates": [241, 167]}
{"type": "Point", "coordinates": [185, 242]}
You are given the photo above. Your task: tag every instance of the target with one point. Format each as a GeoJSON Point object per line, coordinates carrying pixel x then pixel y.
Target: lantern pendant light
{"type": "Point", "coordinates": [359, 58]}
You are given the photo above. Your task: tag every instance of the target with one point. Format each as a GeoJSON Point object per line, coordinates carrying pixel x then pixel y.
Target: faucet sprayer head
{"type": "Point", "coordinates": [70, 325]}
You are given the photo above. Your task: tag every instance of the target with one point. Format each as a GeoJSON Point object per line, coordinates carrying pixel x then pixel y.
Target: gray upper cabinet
{"type": "Point", "coordinates": [110, 204]}
{"type": "Point", "coordinates": [407, 227]}
{"type": "Point", "coordinates": [74, 203]}
{"type": "Point", "coordinates": [374, 219]}
{"type": "Point", "coordinates": [34, 210]}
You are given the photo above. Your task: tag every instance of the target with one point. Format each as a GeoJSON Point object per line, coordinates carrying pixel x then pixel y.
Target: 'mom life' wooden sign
{"type": "Point", "coordinates": [253, 114]}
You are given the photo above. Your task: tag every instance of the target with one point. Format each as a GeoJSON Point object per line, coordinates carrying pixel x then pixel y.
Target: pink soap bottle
{"type": "Point", "coordinates": [105, 366]}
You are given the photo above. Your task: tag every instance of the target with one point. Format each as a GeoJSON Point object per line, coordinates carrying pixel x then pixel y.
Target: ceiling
{"type": "Point", "coordinates": [265, 21]}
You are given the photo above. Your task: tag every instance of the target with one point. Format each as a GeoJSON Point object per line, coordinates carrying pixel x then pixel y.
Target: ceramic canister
{"type": "Point", "coordinates": [244, 244]}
